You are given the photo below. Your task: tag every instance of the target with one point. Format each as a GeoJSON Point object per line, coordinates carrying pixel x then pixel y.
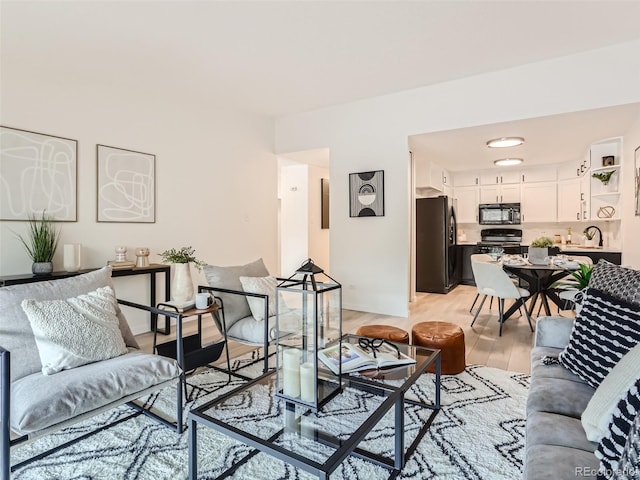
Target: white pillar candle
{"type": "Point", "coordinates": [71, 257]}
{"type": "Point", "coordinates": [307, 382]}
{"type": "Point", "coordinates": [291, 372]}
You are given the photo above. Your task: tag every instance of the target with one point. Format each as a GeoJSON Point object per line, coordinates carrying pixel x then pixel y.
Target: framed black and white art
{"type": "Point", "coordinates": [126, 185]}
{"type": "Point", "coordinates": [366, 194]}
{"type": "Point", "coordinates": [38, 173]}
{"type": "Point", "coordinates": [636, 177]}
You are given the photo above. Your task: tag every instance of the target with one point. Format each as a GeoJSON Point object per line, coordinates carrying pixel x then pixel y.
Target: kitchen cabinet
{"type": "Point", "coordinates": [466, 179]}
{"type": "Point", "coordinates": [539, 202]}
{"type": "Point", "coordinates": [500, 177]}
{"type": "Point", "coordinates": [467, 204]}
{"type": "Point", "coordinates": [569, 200]}
{"type": "Point", "coordinates": [464, 263]}
{"type": "Point", "coordinates": [546, 173]}
{"type": "Point", "coordinates": [500, 194]}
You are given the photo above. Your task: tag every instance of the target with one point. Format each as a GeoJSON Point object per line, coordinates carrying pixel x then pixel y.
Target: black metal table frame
{"type": "Point", "coordinates": [539, 287]}
{"type": "Point", "coordinates": [151, 270]}
{"type": "Point", "coordinates": [344, 448]}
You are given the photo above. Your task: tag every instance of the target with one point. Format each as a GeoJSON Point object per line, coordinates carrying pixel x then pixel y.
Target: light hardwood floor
{"type": "Point", "coordinates": [483, 345]}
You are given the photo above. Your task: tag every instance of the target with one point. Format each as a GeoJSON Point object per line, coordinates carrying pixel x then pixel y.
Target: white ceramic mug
{"type": "Point", "coordinates": [203, 300]}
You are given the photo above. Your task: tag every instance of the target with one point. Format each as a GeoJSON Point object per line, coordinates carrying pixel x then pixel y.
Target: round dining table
{"type": "Point", "coordinates": [539, 279]}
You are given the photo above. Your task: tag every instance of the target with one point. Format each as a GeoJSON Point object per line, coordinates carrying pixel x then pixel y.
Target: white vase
{"type": "Point", "coordinates": [72, 257]}
{"type": "Point", "coordinates": [182, 286]}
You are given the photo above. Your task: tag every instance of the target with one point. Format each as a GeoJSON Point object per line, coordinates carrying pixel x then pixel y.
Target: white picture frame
{"type": "Point", "coordinates": [126, 185]}
{"type": "Point", "coordinates": [38, 173]}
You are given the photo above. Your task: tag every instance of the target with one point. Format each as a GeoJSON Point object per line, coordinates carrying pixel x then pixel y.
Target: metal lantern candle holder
{"type": "Point", "coordinates": [308, 317]}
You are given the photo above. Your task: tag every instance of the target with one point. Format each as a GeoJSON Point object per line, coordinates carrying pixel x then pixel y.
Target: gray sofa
{"type": "Point", "coordinates": [33, 404]}
{"type": "Point", "coordinates": [556, 444]}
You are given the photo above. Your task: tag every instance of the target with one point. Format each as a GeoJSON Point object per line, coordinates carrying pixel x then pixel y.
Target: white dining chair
{"type": "Point", "coordinates": [492, 281]}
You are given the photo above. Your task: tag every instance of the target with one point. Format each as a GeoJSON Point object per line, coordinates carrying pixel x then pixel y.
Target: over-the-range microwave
{"type": "Point", "coordinates": [499, 214]}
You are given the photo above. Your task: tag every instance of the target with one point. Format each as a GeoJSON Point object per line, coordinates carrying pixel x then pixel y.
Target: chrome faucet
{"type": "Point", "coordinates": [599, 233]}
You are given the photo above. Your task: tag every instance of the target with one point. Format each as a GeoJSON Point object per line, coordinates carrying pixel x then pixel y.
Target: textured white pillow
{"type": "Point", "coordinates": [263, 286]}
{"type": "Point", "coordinates": [597, 416]}
{"type": "Point", "coordinates": [76, 331]}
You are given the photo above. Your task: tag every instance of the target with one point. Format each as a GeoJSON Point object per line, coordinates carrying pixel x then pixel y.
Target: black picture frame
{"type": "Point", "coordinates": [636, 169]}
{"type": "Point", "coordinates": [366, 194]}
{"type": "Point", "coordinates": [608, 161]}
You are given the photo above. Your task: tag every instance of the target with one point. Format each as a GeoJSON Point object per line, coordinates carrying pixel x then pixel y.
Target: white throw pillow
{"type": "Point", "coordinates": [76, 331]}
{"type": "Point", "coordinates": [597, 416]}
{"type": "Point", "coordinates": [263, 286]}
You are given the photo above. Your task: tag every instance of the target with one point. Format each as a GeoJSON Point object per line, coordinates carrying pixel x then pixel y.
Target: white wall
{"type": "Point", "coordinates": [631, 224]}
{"type": "Point", "coordinates": [370, 256]}
{"type": "Point", "coordinates": [216, 174]}
{"type": "Point", "coordinates": [294, 217]}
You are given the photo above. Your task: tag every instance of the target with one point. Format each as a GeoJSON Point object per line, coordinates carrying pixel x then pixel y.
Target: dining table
{"type": "Point", "coordinates": [539, 279]}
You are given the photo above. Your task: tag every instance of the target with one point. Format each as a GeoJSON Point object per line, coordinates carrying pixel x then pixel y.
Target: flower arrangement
{"type": "Point", "coordinates": [604, 177]}
{"type": "Point", "coordinates": [542, 242]}
{"type": "Point", "coordinates": [184, 255]}
{"type": "Point", "coordinates": [42, 240]}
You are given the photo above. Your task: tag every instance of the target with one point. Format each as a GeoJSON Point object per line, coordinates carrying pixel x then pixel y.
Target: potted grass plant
{"type": "Point", "coordinates": [41, 243]}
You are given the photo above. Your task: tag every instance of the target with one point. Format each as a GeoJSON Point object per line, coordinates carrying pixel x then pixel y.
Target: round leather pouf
{"type": "Point", "coordinates": [446, 337]}
{"type": "Point", "coordinates": [393, 334]}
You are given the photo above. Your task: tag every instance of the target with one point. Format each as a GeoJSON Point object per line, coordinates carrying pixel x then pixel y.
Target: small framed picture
{"type": "Point", "coordinates": [608, 161]}
{"type": "Point", "coordinates": [366, 194]}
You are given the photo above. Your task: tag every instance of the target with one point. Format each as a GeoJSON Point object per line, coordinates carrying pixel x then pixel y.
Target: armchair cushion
{"type": "Point", "coordinates": [235, 306]}
{"type": "Point", "coordinates": [16, 333]}
{"type": "Point", "coordinates": [34, 406]}
{"type": "Point", "coordinates": [76, 331]}
{"type": "Point", "coordinates": [264, 286]}
{"type": "Point", "coordinates": [619, 282]}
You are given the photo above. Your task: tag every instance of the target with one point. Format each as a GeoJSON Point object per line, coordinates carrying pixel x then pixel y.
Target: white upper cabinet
{"type": "Point", "coordinates": [569, 200]}
{"type": "Point", "coordinates": [499, 177]}
{"type": "Point", "coordinates": [500, 194]}
{"type": "Point", "coordinates": [546, 173]}
{"type": "Point", "coordinates": [466, 179]}
{"type": "Point", "coordinates": [539, 202]}
{"type": "Point", "coordinates": [467, 207]}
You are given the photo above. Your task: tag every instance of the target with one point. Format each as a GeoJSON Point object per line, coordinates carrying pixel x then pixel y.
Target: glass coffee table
{"type": "Point", "coordinates": [319, 442]}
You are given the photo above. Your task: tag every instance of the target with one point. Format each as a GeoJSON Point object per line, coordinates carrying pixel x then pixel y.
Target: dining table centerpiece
{"type": "Point", "coordinates": [539, 250]}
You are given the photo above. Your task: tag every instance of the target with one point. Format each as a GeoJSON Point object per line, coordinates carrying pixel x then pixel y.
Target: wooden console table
{"type": "Point", "coordinates": [152, 270]}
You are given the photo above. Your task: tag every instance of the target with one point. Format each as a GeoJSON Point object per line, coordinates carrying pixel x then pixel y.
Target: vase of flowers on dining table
{"type": "Point", "coordinates": [539, 250]}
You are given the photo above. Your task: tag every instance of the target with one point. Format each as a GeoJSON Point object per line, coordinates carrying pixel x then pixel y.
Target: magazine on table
{"type": "Point", "coordinates": [354, 358]}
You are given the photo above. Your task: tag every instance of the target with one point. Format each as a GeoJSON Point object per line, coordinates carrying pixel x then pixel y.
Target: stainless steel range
{"type": "Point", "coordinates": [508, 239]}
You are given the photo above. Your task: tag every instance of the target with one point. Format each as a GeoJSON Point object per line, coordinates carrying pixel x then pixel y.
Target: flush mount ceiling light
{"type": "Point", "coordinates": [505, 142]}
{"type": "Point", "coordinates": [506, 162]}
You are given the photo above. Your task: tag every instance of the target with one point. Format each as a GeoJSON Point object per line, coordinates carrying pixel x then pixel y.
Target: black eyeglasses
{"type": "Point", "coordinates": [373, 344]}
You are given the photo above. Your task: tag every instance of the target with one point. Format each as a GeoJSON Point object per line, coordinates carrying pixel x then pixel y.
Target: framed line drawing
{"type": "Point", "coordinates": [126, 185]}
{"type": "Point", "coordinates": [636, 169]}
{"type": "Point", "coordinates": [38, 172]}
{"type": "Point", "coordinates": [366, 194]}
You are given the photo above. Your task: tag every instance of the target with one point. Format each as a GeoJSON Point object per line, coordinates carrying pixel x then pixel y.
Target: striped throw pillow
{"type": "Point", "coordinates": [612, 446]}
{"type": "Point", "coordinates": [603, 332]}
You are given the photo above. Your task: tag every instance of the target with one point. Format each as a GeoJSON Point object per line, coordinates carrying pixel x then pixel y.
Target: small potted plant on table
{"type": "Point", "coordinates": [539, 250]}
{"type": "Point", "coordinates": [182, 286]}
{"type": "Point", "coordinates": [41, 243]}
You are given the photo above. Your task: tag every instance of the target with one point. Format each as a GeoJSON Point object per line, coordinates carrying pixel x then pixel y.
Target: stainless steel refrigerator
{"type": "Point", "coordinates": [436, 252]}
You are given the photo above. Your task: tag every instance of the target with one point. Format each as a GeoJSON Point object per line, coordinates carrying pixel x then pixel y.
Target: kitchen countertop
{"type": "Point", "coordinates": [567, 248]}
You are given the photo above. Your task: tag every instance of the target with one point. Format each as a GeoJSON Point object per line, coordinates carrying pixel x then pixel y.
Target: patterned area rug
{"type": "Point", "coordinates": [478, 434]}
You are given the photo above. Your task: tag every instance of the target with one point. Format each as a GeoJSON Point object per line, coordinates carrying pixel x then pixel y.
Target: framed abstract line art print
{"type": "Point", "coordinates": [126, 185]}
{"type": "Point", "coordinates": [366, 194]}
{"type": "Point", "coordinates": [38, 173]}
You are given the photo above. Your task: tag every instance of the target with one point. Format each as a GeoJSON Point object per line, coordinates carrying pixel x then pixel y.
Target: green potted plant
{"type": "Point", "coordinates": [582, 275]}
{"type": "Point", "coordinates": [604, 177]}
{"type": "Point", "coordinates": [539, 250]}
{"type": "Point", "coordinates": [182, 286]}
{"type": "Point", "coordinates": [41, 243]}
{"type": "Point", "coordinates": [588, 237]}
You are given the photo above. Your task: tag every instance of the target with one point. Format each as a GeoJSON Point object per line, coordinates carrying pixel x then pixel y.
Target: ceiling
{"type": "Point", "coordinates": [280, 57]}
{"type": "Point", "coordinates": [552, 139]}
{"type": "Point", "coordinates": [276, 58]}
